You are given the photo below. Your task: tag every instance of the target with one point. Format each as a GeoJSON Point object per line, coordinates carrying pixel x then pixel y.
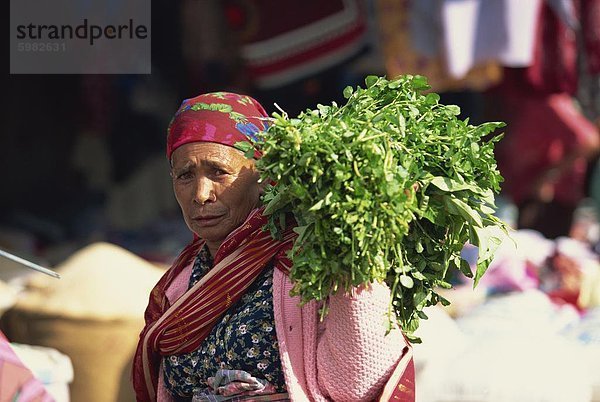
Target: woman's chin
{"type": "Point", "coordinates": [212, 234]}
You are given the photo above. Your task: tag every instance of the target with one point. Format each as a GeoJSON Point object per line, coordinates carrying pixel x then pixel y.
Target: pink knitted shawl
{"type": "Point", "coordinates": [346, 358]}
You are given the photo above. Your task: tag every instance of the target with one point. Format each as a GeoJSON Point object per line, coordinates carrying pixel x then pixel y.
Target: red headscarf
{"type": "Point", "coordinates": [221, 117]}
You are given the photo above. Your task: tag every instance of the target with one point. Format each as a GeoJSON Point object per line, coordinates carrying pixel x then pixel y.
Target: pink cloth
{"type": "Point", "coordinates": [17, 382]}
{"type": "Point", "coordinates": [347, 358]}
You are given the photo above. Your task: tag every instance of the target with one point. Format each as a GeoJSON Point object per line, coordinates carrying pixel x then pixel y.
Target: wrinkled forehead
{"type": "Point", "coordinates": [209, 153]}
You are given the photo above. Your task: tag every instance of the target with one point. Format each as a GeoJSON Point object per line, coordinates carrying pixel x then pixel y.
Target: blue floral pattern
{"type": "Point", "coordinates": [244, 339]}
{"type": "Point", "coordinates": [248, 129]}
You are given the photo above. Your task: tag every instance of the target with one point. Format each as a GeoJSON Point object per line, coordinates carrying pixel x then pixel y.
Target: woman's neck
{"type": "Point", "coordinates": [213, 247]}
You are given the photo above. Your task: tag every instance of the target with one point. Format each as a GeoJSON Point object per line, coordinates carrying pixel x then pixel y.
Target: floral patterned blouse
{"type": "Point", "coordinates": [244, 339]}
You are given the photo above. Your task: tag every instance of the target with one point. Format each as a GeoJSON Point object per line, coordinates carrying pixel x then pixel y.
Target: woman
{"type": "Point", "coordinates": [220, 323]}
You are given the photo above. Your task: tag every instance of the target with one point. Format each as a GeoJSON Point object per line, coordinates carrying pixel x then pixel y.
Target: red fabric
{"type": "Point", "coordinates": [182, 327]}
{"type": "Point", "coordinates": [312, 53]}
{"type": "Point", "coordinates": [251, 16]}
{"type": "Point", "coordinates": [281, 45]}
{"type": "Point", "coordinates": [554, 67]}
{"type": "Point", "coordinates": [542, 131]}
{"type": "Point", "coordinates": [590, 23]}
{"type": "Point", "coordinates": [404, 389]}
{"type": "Point", "coordinates": [543, 123]}
{"type": "Point", "coordinates": [221, 117]}
{"type": "Point", "coordinates": [565, 296]}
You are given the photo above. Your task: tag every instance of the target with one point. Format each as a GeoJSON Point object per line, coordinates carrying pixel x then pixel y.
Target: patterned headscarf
{"type": "Point", "coordinates": [221, 117]}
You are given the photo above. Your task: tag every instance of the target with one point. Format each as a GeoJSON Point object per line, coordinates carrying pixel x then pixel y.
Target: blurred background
{"type": "Point", "coordinates": [86, 187]}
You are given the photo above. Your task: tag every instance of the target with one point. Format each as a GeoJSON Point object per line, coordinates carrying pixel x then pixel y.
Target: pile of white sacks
{"type": "Point", "coordinates": [515, 346]}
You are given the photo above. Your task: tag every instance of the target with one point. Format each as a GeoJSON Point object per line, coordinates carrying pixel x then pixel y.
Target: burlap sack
{"type": "Point", "coordinates": [8, 297]}
{"type": "Point", "coordinates": [93, 314]}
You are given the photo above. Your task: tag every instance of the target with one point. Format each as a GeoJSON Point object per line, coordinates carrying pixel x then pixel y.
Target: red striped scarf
{"type": "Point", "coordinates": [183, 326]}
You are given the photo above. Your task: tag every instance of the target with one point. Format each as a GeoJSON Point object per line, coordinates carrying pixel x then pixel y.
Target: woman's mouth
{"type": "Point", "coordinates": [207, 220]}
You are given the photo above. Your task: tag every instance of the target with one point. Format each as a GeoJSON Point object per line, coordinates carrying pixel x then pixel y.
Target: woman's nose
{"type": "Point", "coordinates": [204, 191]}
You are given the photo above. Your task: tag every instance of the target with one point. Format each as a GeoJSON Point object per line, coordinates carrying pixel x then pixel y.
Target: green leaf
{"type": "Point", "coordinates": [444, 301]}
{"type": "Point", "coordinates": [406, 281]}
{"type": "Point", "coordinates": [395, 84]}
{"type": "Point", "coordinates": [277, 202]}
{"type": "Point", "coordinates": [453, 109]}
{"type": "Point", "coordinates": [371, 80]}
{"type": "Point", "coordinates": [323, 110]}
{"type": "Point", "coordinates": [413, 339]}
{"type": "Point", "coordinates": [449, 185]}
{"type": "Point", "coordinates": [487, 210]}
{"type": "Point", "coordinates": [245, 147]}
{"type": "Point", "coordinates": [461, 208]}
{"type": "Point", "coordinates": [465, 268]}
{"type": "Point", "coordinates": [419, 276]}
{"type": "Point", "coordinates": [401, 123]}
{"type": "Point", "coordinates": [488, 240]}
{"type": "Point", "coordinates": [488, 197]}
{"type": "Point", "coordinates": [348, 92]}
{"type": "Point", "coordinates": [481, 268]}
{"type": "Point", "coordinates": [420, 82]}
{"type": "Point", "coordinates": [432, 98]}
{"type": "Point", "coordinates": [304, 232]}
{"type": "Point", "coordinates": [317, 206]}
{"type": "Point", "coordinates": [419, 247]}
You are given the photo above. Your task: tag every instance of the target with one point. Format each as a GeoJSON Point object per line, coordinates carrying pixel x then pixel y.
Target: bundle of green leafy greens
{"type": "Point", "coordinates": [388, 187]}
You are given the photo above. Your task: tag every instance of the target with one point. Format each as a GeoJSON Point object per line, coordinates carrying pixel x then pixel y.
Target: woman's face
{"type": "Point", "coordinates": [216, 187]}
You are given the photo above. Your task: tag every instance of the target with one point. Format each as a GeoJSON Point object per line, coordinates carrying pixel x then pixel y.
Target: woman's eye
{"type": "Point", "coordinates": [220, 172]}
{"type": "Point", "coordinates": [184, 176]}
